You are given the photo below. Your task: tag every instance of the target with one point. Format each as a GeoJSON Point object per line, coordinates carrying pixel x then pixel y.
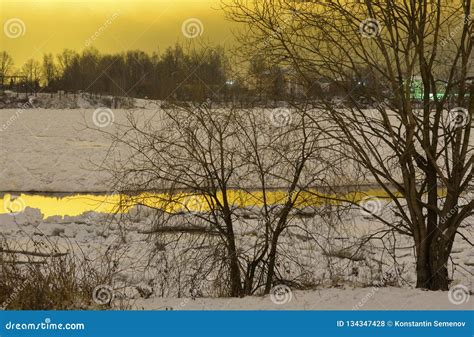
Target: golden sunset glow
{"type": "Point", "coordinates": [108, 25]}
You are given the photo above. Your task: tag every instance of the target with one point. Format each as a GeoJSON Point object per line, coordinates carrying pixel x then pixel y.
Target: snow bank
{"type": "Point", "coordinates": [324, 299]}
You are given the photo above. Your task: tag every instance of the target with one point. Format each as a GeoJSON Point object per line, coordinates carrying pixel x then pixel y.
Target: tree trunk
{"type": "Point", "coordinates": [248, 284]}
{"type": "Point", "coordinates": [235, 284]}
{"type": "Point", "coordinates": [236, 289]}
{"type": "Point", "coordinates": [432, 263]}
{"type": "Point", "coordinates": [440, 251]}
{"type": "Point", "coordinates": [271, 264]}
{"type": "Point", "coordinates": [423, 274]}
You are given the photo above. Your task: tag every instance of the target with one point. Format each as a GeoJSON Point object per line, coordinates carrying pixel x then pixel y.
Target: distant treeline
{"type": "Point", "coordinates": [178, 73]}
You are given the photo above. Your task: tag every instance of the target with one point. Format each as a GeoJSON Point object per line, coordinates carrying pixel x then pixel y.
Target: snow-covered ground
{"type": "Point", "coordinates": [52, 150]}
{"type": "Point", "coordinates": [322, 299]}
{"type": "Point", "coordinates": [62, 150]}
{"type": "Point", "coordinates": [149, 278]}
{"type": "Point", "coordinates": [58, 151]}
{"type": "Point", "coordinates": [12, 100]}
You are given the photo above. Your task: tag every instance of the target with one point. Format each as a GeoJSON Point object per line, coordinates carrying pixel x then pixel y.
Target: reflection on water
{"type": "Point", "coordinates": [71, 205]}
{"type": "Point", "coordinates": [74, 205]}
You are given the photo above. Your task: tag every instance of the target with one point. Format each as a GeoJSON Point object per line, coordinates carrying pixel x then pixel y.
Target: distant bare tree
{"type": "Point", "coordinates": [32, 71]}
{"type": "Point", "coordinates": [183, 72]}
{"type": "Point", "coordinates": [418, 149]}
{"type": "Point", "coordinates": [6, 64]}
{"type": "Point", "coordinates": [49, 69]}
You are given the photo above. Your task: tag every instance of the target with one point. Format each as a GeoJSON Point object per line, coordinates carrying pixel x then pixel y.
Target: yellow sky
{"type": "Point", "coordinates": [109, 25]}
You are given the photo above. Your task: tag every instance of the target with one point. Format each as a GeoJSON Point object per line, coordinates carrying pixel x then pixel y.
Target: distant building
{"type": "Point", "coordinates": [294, 86]}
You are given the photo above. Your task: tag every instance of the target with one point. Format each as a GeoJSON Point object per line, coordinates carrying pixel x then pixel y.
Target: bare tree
{"type": "Point", "coordinates": [32, 71]}
{"type": "Point", "coordinates": [287, 154]}
{"type": "Point", "coordinates": [6, 65]}
{"type": "Point", "coordinates": [418, 149]}
{"type": "Point", "coordinates": [49, 69]}
{"type": "Point", "coordinates": [238, 176]}
{"type": "Point", "coordinates": [189, 152]}
{"type": "Point", "coordinates": [65, 59]}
